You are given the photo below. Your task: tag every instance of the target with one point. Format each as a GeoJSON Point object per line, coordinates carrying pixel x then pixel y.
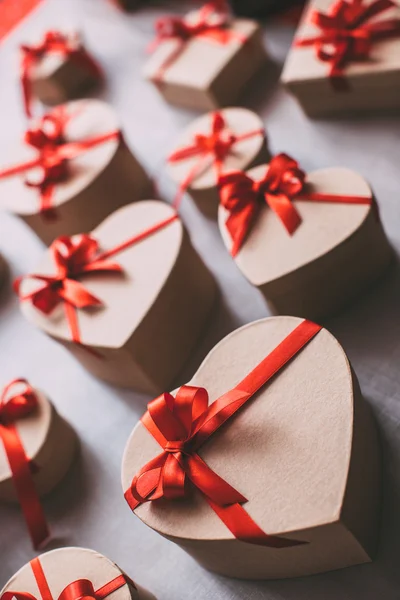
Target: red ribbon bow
{"type": "Point", "coordinates": [210, 23]}
{"type": "Point", "coordinates": [211, 150]}
{"type": "Point", "coordinates": [81, 589]}
{"type": "Point", "coordinates": [54, 42]}
{"type": "Point", "coordinates": [13, 408]}
{"type": "Point", "coordinates": [50, 167]}
{"type": "Point", "coordinates": [347, 34]}
{"type": "Point", "coordinates": [181, 425]}
{"type": "Point", "coordinates": [283, 183]}
{"type": "Point", "coordinates": [75, 257]}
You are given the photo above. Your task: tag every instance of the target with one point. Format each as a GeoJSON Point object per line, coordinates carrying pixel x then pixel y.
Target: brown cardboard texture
{"type": "Point", "coordinates": [373, 83]}
{"type": "Point", "coordinates": [152, 313]}
{"type": "Point", "coordinates": [55, 78]}
{"type": "Point", "coordinates": [337, 251]}
{"type": "Point", "coordinates": [304, 452]}
{"type": "Point", "coordinates": [66, 565]}
{"type": "Point", "coordinates": [49, 442]}
{"type": "Point", "coordinates": [99, 181]}
{"type": "Point", "coordinates": [244, 154]}
{"type": "Point", "coordinates": [206, 74]}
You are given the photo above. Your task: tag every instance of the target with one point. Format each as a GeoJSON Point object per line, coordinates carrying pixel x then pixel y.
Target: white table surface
{"type": "Point", "coordinates": [88, 509]}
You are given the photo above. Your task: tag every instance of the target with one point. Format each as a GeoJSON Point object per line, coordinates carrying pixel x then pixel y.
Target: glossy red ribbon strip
{"type": "Point", "coordinates": [81, 589]}
{"type": "Point", "coordinates": [181, 426]}
{"type": "Point", "coordinates": [75, 257]}
{"type": "Point", "coordinates": [14, 407]}
{"type": "Point", "coordinates": [54, 42]}
{"type": "Point", "coordinates": [211, 150]}
{"type": "Point", "coordinates": [283, 183]}
{"type": "Point", "coordinates": [211, 23]}
{"type": "Point", "coordinates": [348, 35]}
{"type": "Point", "coordinates": [53, 154]}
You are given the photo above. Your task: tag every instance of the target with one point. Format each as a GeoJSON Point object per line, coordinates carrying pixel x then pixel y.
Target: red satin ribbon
{"type": "Point", "coordinates": [81, 589]}
{"type": "Point", "coordinates": [53, 154]}
{"type": "Point", "coordinates": [348, 35]}
{"type": "Point", "coordinates": [12, 409]}
{"type": "Point", "coordinates": [283, 183]}
{"type": "Point", "coordinates": [54, 42]}
{"type": "Point", "coordinates": [181, 425]}
{"type": "Point", "coordinates": [211, 150]}
{"type": "Point", "coordinates": [75, 257]}
{"type": "Point", "coordinates": [211, 24]}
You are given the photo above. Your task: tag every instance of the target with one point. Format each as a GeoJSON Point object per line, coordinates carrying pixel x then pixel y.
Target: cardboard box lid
{"type": "Point", "coordinates": [270, 252]}
{"type": "Point", "coordinates": [288, 451]}
{"type": "Point", "coordinates": [126, 297]}
{"type": "Point", "coordinates": [33, 432]}
{"type": "Point", "coordinates": [303, 64]}
{"type": "Point", "coordinates": [90, 118]}
{"type": "Point", "coordinates": [239, 121]}
{"type": "Point", "coordinates": [200, 61]}
{"type": "Point", "coordinates": [66, 565]}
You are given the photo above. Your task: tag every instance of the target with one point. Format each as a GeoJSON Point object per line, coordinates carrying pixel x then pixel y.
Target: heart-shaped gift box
{"type": "Point", "coordinates": [143, 296]}
{"type": "Point", "coordinates": [310, 243]}
{"type": "Point", "coordinates": [72, 170]}
{"type": "Point", "coordinates": [280, 475]}
{"type": "Point", "coordinates": [38, 447]}
{"type": "Point", "coordinates": [229, 139]}
{"type": "Point", "coordinates": [70, 574]}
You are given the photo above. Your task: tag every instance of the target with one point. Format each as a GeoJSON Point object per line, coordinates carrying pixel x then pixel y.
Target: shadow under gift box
{"type": "Point", "coordinates": [65, 566]}
{"type": "Point", "coordinates": [304, 452]}
{"type": "Point", "coordinates": [98, 180]}
{"type": "Point", "coordinates": [206, 74]}
{"type": "Point", "coordinates": [368, 83]}
{"type": "Point", "coordinates": [151, 314]}
{"type": "Point", "coordinates": [49, 442]}
{"type": "Point", "coordinates": [335, 254]}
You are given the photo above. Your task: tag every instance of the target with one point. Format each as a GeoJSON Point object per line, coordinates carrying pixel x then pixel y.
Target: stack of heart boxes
{"type": "Point", "coordinates": [122, 287]}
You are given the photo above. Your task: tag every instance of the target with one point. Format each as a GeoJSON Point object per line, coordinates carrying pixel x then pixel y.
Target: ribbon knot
{"type": "Point", "coordinates": [210, 149]}
{"type": "Point", "coordinates": [176, 447]}
{"type": "Point", "coordinates": [82, 589]}
{"type": "Point", "coordinates": [347, 33]}
{"type": "Point", "coordinates": [283, 183]}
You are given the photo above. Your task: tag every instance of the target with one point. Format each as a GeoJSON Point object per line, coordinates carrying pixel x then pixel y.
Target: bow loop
{"type": "Point", "coordinates": [18, 405]}
{"type": "Point", "coordinates": [283, 177]}
{"type": "Point", "coordinates": [82, 589]}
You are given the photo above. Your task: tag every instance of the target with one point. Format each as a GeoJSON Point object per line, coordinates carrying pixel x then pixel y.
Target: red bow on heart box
{"type": "Point", "coordinates": [348, 32]}
{"type": "Point", "coordinates": [74, 257]}
{"type": "Point", "coordinates": [19, 401]}
{"type": "Point", "coordinates": [183, 424]}
{"type": "Point", "coordinates": [77, 590]}
{"type": "Point", "coordinates": [54, 42]}
{"type": "Point", "coordinates": [211, 23]}
{"type": "Point", "coordinates": [210, 150]}
{"type": "Point", "coordinates": [53, 152]}
{"type": "Point", "coordinates": [283, 184]}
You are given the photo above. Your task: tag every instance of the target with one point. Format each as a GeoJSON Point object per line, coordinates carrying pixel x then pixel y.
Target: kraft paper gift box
{"type": "Point", "coordinates": [72, 170]}
{"type": "Point", "coordinates": [232, 138]}
{"type": "Point", "coordinates": [332, 72]}
{"type": "Point", "coordinates": [71, 574]}
{"type": "Point", "coordinates": [310, 242]}
{"type": "Point", "coordinates": [56, 69]}
{"type": "Point", "coordinates": [205, 59]}
{"type": "Point", "coordinates": [37, 449]}
{"type": "Point", "coordinates": [143, 298]}
{"type": "Point", "coordinates": [289, 485]}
